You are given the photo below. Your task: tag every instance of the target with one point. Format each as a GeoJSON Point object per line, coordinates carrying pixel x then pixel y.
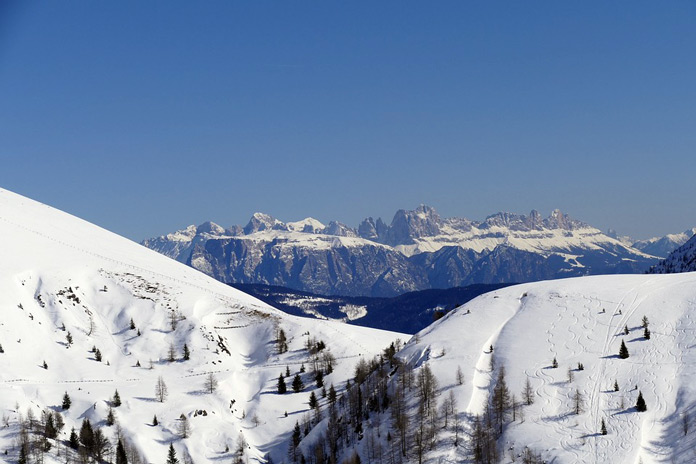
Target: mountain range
{"type": "Point", "coordinates": [418, 250]}
{"type": "Point", "coordinates": [165, 362]}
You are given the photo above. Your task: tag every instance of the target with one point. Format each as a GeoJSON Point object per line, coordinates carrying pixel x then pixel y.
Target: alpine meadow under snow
{"type": "Point", "coordinates": [528, 373]}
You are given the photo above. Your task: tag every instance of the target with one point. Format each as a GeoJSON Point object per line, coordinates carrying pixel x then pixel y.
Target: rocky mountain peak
{"type": "Point", "coordinates": [211, 228]}
{"type": "Point", "coordinates": [262, 221]}
{"type": "Point", "coordinates": [407, 225]}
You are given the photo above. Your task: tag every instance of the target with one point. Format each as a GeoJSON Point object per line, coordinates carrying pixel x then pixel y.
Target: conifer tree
{"type": "Point", "coordinates": [171, 455]}
{"type": "Point", "coordinates": [623, 351]}
{"type": "Point", "coordinates": [313, 401]}
{"type": "Point", "coordinates": [320, 379]}
{"type": "Point", "coordinates": [121, 457]}
{"type": "Point", "coordinates": [66, 401]}
{"type": "Point", "coordinates": [297, 384]}
{"type": "Point", "coordinates": [110, 419]}
{"type": "Point", "coordinates": [528, 392]}
{"type": "Point", "coordinates": [646, 333]}
{"type": "Point", "coordinates": [625, 330]}
{"type": "Point", "coordinates": [282, 388]}
{"type": "Point", "coordinates": [154, 420]}
{"type": "Point", "coordinates": [74, 441]}
{"type": "Point", "coordinates": [554, 363]}
{"type": "Point", "coordinates": [644, 322]}
{"type": "Point", "coordinates": [187, 353]}
{"type": "Point", "coordinates": [97, 354]}
{"type": "Point", "coordinates": [603, 428]}
{"type": "Point", "coordinates": [616, 385]}
{"type": "Point", "coordinates": [69, 339]}
{"type": "Point", "coordinates": [332, 394]}
{"type": "Point", "coordinates": [132, 324]}
{"type": "Point", "coordinates": [117, 399]}
{"type": "Point", "coordinates": [640, 403]}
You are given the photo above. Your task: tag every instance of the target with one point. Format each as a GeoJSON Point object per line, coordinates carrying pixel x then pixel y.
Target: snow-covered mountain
{"type": "Point", "coordinates": [532, 373]}
{"type": "Point", "coordinates": [663, 246]}
{"type": "Point", "coordinates": [86, 313]}
{"type": "Point", "coordinates": [683, 259]}
{"type": "Point", "coordinates": [418, 250]}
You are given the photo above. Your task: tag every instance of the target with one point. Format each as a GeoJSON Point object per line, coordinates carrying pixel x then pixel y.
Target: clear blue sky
{"type": "Point", "coordinates": [144, 117]}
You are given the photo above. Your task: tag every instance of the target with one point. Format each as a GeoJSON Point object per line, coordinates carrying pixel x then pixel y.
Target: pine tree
{"type": "Point", "coordinates": [640, 403]}
{"type": "Point", "coordinates": [87, 435]}
{"type": "Point", "coordinates": [155, 421]}
{"type": "Point", "coordinates": [644, 322]}
{"type": "Point", "coordinates": [646, 333]}
{"type": "Point", "coordinates": [171, 455]}
{"type": "Point", "coordinates": [554, 363]}
{"type": "Point", "coordinates": [45, 366]}
{"type": "Point", "coordinates": [460, 376]}
{"type": "Point", "coordinates": [616, 385]}
{"type": "Point", "coordinates": [287, 371]}
{"type": "Point", "coordinates": [211, 383]}
{"type": "Point", "coordinates": [332, 394]}
{"type": "Point", "coordinates": [121, 457]}
{"type": "Point", "coordinates": [625, 330]}
{"type": "Point", "coordinates": [623, 351]}
{"type": "Point", "coordinates": [74, 441]}
{"type": "Point", "coordinates": [110, 419]}
{"type": "Point", "coordinates": [578, 402]}
{"type": "Point", "coordinates": [69, 339]}
{"type": "Point", "coordinates": [320, 379]}
{"type": "Point", "coordinates": [97, 354]}
{"type": "Point", "coordinates": [313, 401]}
{"type": "Point", "coordinates": [187, 353]}
{"type": "Point", "coordinates": [132, 324]}
{"type": "Point", "coordinates": [603, 428]}
{"type": "Point", "coordinates": [117, 399]}
{"type": "Point", "coordinates": [282, 388]}
{"type": "Point", "coordinates": [66, 401]}
{"type": "Point", "coordinates": [297, 384]}
{"type": "Point", "coordinates": [302, 368]}
{"type": "Point", "coordinates": [49, 427]}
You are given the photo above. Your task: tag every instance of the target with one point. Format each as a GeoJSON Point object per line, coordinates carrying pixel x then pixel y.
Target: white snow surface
{"type": "Point", "coordinates": [60, 270]}
{"type": "Point", "coordinates": [579, 320]}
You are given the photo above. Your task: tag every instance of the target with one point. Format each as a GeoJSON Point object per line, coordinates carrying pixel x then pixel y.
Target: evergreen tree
{"type": "Point", "coordinates": [117, 399]}
{"type": "Point", "coordinates": [132, 324]}
{"type": "Point", "coordinates": [282, 388]}
{"type": "Point", "coordinates": [69, 339]}
{"type": "Point", "coordinates": [23, 454]}
{"type": "Point", "coordinates": [87, 435]}
{"type": "Point", "coordinates": [313, 401]}
{"type": "Point", "coordinates": [616, 385]}
{"type": "Point", "coordinates": [625, 330]}
{"type": "Point", "coordinates": [623, 351]}
{"type": "Point", "coordinates": [187, 353]}
{"type": "Point", "coordinates": [302, 368]}
{"type": "Point", "coordinates": [49, 427]}
{"type": "Point", "coordinates": [110, 419]}
{"type": "Point", "coordinates": [121, 457]}
{"type": "Point", "coordinates": [644, 322]}
{"type": "Point", "coordinates": [297, 384]}
{"type": "Point", "coordinates": [320, 379]}
{"type": "Point", "coordinates": [554, 363]}
{"type": "Point", "coordinates": [578, 402]}
{"type": "Point", "coordinates": [171, 455]}
{"type": "Point", "coordinates": [45, 366]}
{"type": "Point", "coordinates": [74, 441]}
{"type": "Point", "coordinates": [603, 428]}
{"type": "Point", "coordinates": [97, 355]}
{"type": "Point", "coordinates": [332, 394]}
{"type": "Point", "coordinates": [640, 403]}
{"type": "Point", "coordinates": [646, 333]}
{"type": "Point", "coordinates": [66, 401]}
{"type": "Point", "coordinates": [287, 371]}
{"type": "Point", "coordinates": [154, 420]}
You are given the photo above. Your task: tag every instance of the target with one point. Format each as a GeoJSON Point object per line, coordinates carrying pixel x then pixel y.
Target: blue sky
{"type": "Point", "coordinates": [144, 117]}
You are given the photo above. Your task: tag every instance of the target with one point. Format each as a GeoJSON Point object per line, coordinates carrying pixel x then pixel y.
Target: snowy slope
{"type": "Point", "coordinates": [579, 320]}
{"type": "Point", "coordinates": [663, 246]}
{"type": "Point", "coordinates": [683, 259]}
{"type": "Point", "coordinates": [61, 271]}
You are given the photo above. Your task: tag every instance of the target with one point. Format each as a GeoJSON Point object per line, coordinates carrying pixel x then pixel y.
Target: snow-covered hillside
{"type": "Point", "coordinates": [88, 313]}
{"type": "Point", "coordinates": [663, 246]}
{"type": "Point", "coordinates": [683, 259]}
{"type": "Point", "coordinates": [576, 321]}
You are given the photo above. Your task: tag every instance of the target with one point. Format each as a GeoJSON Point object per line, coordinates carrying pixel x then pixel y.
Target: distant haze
{"type": "Point", "coordinates": [144, 117]}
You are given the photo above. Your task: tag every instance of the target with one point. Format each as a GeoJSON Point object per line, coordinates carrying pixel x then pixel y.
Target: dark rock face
{"type": "Point", "coordinates": [368, 270]}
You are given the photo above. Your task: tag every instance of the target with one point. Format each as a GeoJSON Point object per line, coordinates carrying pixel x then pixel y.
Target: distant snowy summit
{"type": "Point", "coordinates": [683, 259]}
{"type": "Point", "coordinates": [416, 251]}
